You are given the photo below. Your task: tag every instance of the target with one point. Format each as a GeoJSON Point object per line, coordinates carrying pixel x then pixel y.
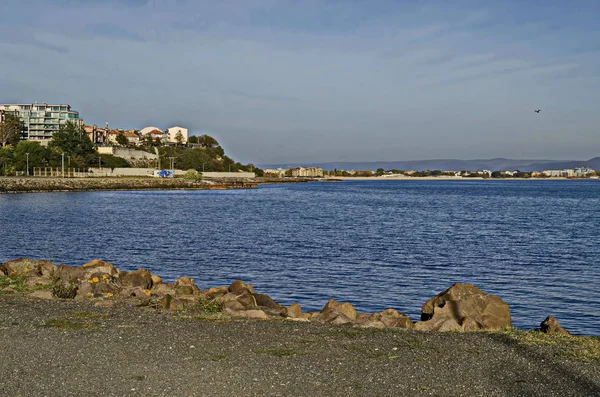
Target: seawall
{"type": "Point", "coordinates": [30, 185]}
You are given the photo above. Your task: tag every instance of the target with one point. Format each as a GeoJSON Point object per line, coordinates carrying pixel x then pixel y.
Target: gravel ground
{"type": "Point", "coordinates": [135, 351]}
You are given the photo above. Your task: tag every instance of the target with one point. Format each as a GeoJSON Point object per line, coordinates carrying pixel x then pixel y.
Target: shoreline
{"type": "Point", "coordinates": [15, 185]}
{"type": "Point", "coordinates": [131, 343]}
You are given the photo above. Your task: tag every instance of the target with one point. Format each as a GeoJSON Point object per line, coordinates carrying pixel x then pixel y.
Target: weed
{"type": "Point", "coordinates": [581, 348]}
{"type": "Point", "coordinates": [278, 352]}
{"type": "Point", "coordinates": [90, 315]}
{"type": "Point", "coordinates": [64, 291]}
{"type": "Point", "coordinates": [206, 306]}
{"type": "Point", "coordinates": [223, 356]}
{"type": "Point", "coordinates": [72, 325]}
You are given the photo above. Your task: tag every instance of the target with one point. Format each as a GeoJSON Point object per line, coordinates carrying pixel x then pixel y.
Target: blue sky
{"type": "Point", "coordinates": [307, 81]}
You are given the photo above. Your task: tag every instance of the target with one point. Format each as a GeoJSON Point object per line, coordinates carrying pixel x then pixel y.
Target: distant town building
{"type": "Point", "coordinates": [580, 172]}
{"type": "Point", "coordinates": [174, 132]}
{"type": "Point", "coordinates": [41, 120]}
{"type": "Point", "coordinates": [308, 172]}
{"type": "Point", "coordinates": [272, 173]}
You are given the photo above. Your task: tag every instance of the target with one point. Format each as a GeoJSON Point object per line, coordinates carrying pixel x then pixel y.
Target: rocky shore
{"type": "Point", "coordinates": [97, 330]}
{"type": "Point", "coordinates": [30, 185]}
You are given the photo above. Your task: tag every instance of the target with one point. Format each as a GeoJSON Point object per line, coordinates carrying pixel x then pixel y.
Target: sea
{"type": "Point", "coordinates": [375, 244]}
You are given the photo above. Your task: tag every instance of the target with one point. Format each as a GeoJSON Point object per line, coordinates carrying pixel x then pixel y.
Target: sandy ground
{"type": "Point", "coordinates": [70, 348]}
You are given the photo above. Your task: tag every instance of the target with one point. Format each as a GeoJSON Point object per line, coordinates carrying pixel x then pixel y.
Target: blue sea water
{"type": "Point", "coordinates": [376, 244]}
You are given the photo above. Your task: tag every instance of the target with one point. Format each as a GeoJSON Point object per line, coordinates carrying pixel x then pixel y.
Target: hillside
{"type": "Point", "coordinates": [450, 164]}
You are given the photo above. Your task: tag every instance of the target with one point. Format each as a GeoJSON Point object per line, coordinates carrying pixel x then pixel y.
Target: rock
{"type": "Point", "coordinates": [138, 279]}
{"type": "Point", "coordinates": [214, 291]}
{"type": "Point", "coordinates": [257, 314]}
{"type": "Point", "coordinates": [69, 274]}
{"type": "Point", "coordinates": [372, 324]}
{"type": "Point", "coordinates": [162, 289]}
{"type": "Point", "coordinates": [185, 290]}
{"type": "Point", "coordinates": [165, 302]}
{"type": "Point", "coordinates": [333, 306]}
{"type": "Point", "coordinates": [41, 294]}
{"type": "Point", "coordinates": [266, 301]}
{"type": "Point", "coordinates": [27, 267]}
{"type": "Point", "coordinates": [464, 307]}
{"type": "Point", "coordinates": [551, 326]}
{"type": "Point", "coordinates": [36, 280]}
{"type": "Point", "coordinates": [294, 311]}
{"type": "Point", "coordinates": [2, 274]}
{"type": "Point", "coordinates": [185, 286]}
{"type": "Point", "coordinates": [238, 287]}
{"type": "Point", "coordinates": [393, 318]}
{"type": "Point", "coordinates": [9, 290]}
{"type": "Point", "coordinates": [155, 280]}
{"type": "Point", "coordinates": [98, 268]}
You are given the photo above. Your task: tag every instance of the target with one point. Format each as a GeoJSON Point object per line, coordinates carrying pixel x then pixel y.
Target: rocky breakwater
{"type": "Point", "coordinates": [24, 185]}
{"type": "Point", "coordinates": [462, 307]}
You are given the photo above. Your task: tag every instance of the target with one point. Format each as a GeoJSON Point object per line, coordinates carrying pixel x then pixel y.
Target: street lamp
{"type": "Point", "coordinates": [27, 154]}
{"type": "Point", "coordinates": [63, 164]}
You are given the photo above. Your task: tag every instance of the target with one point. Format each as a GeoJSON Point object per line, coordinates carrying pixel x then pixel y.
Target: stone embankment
{"type": "Point", "coordinates": [462, 307]}
{"type": "Point", "coordinates": [24, 185]}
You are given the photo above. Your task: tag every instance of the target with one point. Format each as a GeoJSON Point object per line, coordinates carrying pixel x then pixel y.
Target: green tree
{"type": "Point", "coordinates": [6, 160]}
{"type": "Point", "coordinates": [10, 130]}
{"type": "Point", "coordinates": [72, 140]}
{"type": "Point", "coordinates": [207, 141]}
{"type": "Point", "coordinates": [38, 155]}
{"type": "Point", "coordinates": [380, 172]}
{"type": "Point", "coordinates": [193, 139]}
{"type": "Point", "coordinates": [497, 174]}
{"type": "Point", "coordinates": [179, 137]}
{"type": "Point", "coordinates": [122, 139]}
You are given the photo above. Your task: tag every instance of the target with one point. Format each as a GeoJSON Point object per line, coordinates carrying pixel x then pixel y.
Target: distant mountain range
{"type": "Point", "coordinates": [498, 164]}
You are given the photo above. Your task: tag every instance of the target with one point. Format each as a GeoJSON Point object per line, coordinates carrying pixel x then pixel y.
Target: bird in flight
{"type": "Point", "coordinates": [538, 110]}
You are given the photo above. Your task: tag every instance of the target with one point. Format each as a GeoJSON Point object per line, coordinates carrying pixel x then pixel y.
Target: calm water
{"type": "Point", "coordinates": [376, 244]}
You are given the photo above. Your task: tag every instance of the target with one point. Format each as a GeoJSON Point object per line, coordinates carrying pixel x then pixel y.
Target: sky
{"type": "Point", "coordinates": [283, 81]}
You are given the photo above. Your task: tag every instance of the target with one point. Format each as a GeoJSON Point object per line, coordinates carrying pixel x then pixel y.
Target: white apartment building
{"type": "Point", "coordinates": [41, 120]}
{"type": "Point", "coordinates": [308, 172]}
{"type": "Point", "coordinates": [173, 132]}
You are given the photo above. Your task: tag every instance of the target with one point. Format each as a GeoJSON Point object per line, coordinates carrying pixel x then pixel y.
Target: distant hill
{"type": "Point", "coordinates": [450, 164]}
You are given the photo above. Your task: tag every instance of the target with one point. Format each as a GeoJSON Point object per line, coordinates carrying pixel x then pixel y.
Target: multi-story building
{"type": "Point", "coordinates": [175, 133]}
{"type": "Point", "coordinates": [309, 172]}
{"type": "Point", "coordinates": [41, 120]}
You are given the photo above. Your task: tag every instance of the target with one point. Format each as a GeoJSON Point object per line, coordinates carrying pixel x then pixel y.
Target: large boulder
{"type": "Point", "coordinates": [70, 274]}
{"type": "Point", "coordinates": [99, 268]}
{"type": "Point", "coordinates": [392, 318]}
{"type": "Point", "coordinates": [27, 267]}
{"type": "Point", "coordinates": [550, 325]}
{"type": "Point", "coordinates": [335, 312]}
{"type": "Point", "coordinates": [137, 279]}
{"type": "Point", "coordinates": [186, 286]}
{"type": "Point", "coordinates": [464, 307]}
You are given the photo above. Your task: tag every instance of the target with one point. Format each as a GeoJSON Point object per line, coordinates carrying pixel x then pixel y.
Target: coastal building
{"type": "Point", "coordinates": [274, 173]}
{"type": "Point", "coordinates": [154, 132]}
{"type": "Point", "coordinates": [41, 120]}
{"type": "Point", "coordinates": [177, 135]}
{"type": "Point", "coordinates": [308, 172]}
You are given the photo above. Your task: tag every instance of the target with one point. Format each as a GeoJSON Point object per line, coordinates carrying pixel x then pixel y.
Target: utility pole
{"type": "Point", "coordinates": [172, 164]}
{"type": "Point", "coordinates": [63, 164]}
{"type": "Point", "coordinates": [27, 154]}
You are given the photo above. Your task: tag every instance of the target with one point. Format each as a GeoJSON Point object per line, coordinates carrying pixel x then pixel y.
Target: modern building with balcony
{"type": "Point", "coordinates": [41, 120]}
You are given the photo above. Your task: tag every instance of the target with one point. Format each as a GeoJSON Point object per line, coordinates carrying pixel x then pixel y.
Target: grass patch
{"type": "Point", "coordinates": [17, 283]}
{"type": "Point", "coordinates": [219, 357]}
{"type": "Point", "coordinates": [139, 377]}
{"type": "Point", "coordinates": [581, 348]}
{"type": "Point", "coordinates": [72, 325]}
{"type": "Point", "coordinates": [278, 352]}
{"type": "Point", "coordinates": [206, 306]}
{"type": "Point", "coordinates": [90, 315]}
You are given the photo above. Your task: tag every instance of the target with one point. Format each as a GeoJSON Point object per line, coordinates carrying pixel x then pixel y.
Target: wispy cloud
{"type": "Point", "coordinates": [369, 79]}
